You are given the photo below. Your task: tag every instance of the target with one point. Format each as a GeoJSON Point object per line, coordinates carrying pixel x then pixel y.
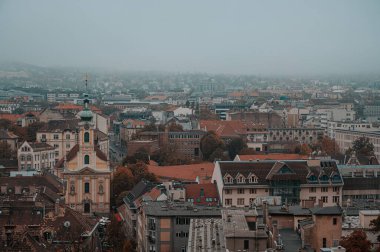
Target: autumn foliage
{"type": "Point", "coordinates": [356, 242]}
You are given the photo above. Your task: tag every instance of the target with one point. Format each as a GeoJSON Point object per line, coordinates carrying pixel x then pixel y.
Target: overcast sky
{"type": "Point", "coordinates": [252, 37]}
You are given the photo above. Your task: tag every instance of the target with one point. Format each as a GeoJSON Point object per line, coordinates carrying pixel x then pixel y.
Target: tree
{"type": "Point", "coordinates": [375, 226]}
{"type": "Point", "coordinates": [362, 146]}
{"type": "Point", "coordinates": [173, 127]}
{"type": "Point", "coordinates": [329, 146]}
{"type": "Point", "coordinates": [356, 242]}
{"type": "Point", "coordinates": [235, 146]}
{"type": "Point", "coordinates": [305, 149]}
{"type": "Point", "coordinates": [126, 178]}
{"type": "Point", "coordinates": [210, 142]}
{"type": "Point", "coordinates": [168, 155]}
{"type": "Point", "coordinates": [115, 235]}
{"type": "Point", "coordinates": [140, 155]}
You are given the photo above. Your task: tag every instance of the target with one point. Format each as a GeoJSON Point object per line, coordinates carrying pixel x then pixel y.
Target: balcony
{"type": "Point", "coordinates": [151, 239]}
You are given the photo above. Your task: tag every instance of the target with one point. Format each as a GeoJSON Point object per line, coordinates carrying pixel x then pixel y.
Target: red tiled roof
{"type": "Point", "coordinates": [193, 191]}
{"type": "Point", "coordinates": [10, 117]}
{"type": "Point", "coordinates": [184, 172]}
{"type": "Point", "coordinates": [68, 106]}
{"type": "Point", "coordinates": [273, 156]}
{"type": "Point", "coordinates": [225, 128]}
{"type": "Point", "coordinates": [154, 193]}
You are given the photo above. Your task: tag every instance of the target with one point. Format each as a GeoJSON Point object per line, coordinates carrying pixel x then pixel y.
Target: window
{"type": "Point", "coordinates": [324, 199]}
{"type": "Point", "coordinates": [87, 187]}
{"type": "Point", "coordinates": [190, 200]}
{"type": "Point", "coordinates": [313, 199]}
{"type": "Point", "coordinates": [67, 146]}
{"type": "Point", "coordinates": [336, 199]}
{"type": "Point", "coordinates": [29, 158]}
{"type": "Point", "coordinates": [56, 136]}
{"type": "Point", "coordinates": [312, 189]}
{"type": "Point", "coordinates": [324, 242]}
{"type": "Point", "coordinates": [241, 179]}
{"type": "Point", "coordinates": [252, 191]}
{"type": "Point", "coordinates": [241, 191]}
{"type": "Point", "coordinates": [68, 136]}
{"type": "Point", "coordinates": [335, 189]}
{"type": "Point", "coordinates": [86, 137]}
{"type": "Point", "coordinates": [324, 189]}
{"type": "Point", "coordinates": [183, 221]}
{"type": "Point", "coordinates": [335, 221]}
{"type": "Point", "coordinates": [228, 202]}
{"type": "Point", "coordinates": [253, 179]}
{"type": "Point", "coordinates": [86, 159]}
{"type": "Point", "coordinates": [228, 191]}
{"type": "Point", "coordinates": [251, 201]}
{"type": "Point", "coordinates": [228, 180]}
{"type": "Point", "coordinates": [240, 201]}
{"type": "Point", "coordinates": [22, 157]}
{"type": "Point", "coordinates": [72, 189]}
{"type": "Point", "coordinates": [246, 244]}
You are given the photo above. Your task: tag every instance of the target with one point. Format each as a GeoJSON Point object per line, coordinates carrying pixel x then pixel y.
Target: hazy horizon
{"type": "Point", "coordinates": [242, 37]}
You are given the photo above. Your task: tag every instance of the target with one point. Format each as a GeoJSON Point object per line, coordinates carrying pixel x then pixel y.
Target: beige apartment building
{"type": "Point", "coordinates": [244, 183]}
{"type": "Point", "coordinates": [344, 139]}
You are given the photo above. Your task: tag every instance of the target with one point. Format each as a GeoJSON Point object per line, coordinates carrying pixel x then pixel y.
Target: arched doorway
{"type": "Point", "coordinates": [87, 207]}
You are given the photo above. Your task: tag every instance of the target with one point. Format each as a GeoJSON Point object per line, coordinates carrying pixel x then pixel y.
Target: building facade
{"type": "Point", "coordinates": [244, 183]}
{"type": "Point", "coordinates": [36, 156]}
{"type": "Point", "coordinates": [86, 171]}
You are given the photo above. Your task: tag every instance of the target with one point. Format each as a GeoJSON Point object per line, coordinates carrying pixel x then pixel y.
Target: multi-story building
{"type": "Point", "coordinates": [50, 97]}
{"type": "Point", "coordinates": [164, 226]}
{"type": "Point", "coordinates": [301, 135]}
{"type": "Point", "coordinates": [129, 128]}
{"type": "Point", "coordinates": [86, 171]}
{"type": "Point", "coordinates": [186, 143]}
{"type": "Point", "coordinates": [242, 183]}
{"type": "Point", "coordinates": [36, 156]}
{"type": "Point", "coordinates": [344, 139]}
{"type": "Point", "coordinates": [361, 126]}
{"type": "Point", "coordinates": [9, 138]}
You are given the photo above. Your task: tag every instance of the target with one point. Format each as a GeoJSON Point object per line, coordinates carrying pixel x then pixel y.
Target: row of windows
{"type": "Point", "coordinates": [242, 191]}
{"type": "Point", "coordinates": [325, 199]}
{"type": "Point", "coordinates": [323, 189]}
{"type": "Point", "coordinates": [86, 188]}
{"type": "Point", "coordinates": [240, 179]}
{"type": "Point", "coordinates": [240, 201]}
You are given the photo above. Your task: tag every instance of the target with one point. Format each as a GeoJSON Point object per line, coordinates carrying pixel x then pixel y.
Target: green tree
{"type": "Point", "coordinates": [356, 242]}
{"type": "Point", "coordinates": [235, 146]}
{"type": "Point", "coordinates": [375, 226]}
{"type": "Point", "coordinates": [362, 146]}
{"type": "Point", "coordinates": [210, 142]}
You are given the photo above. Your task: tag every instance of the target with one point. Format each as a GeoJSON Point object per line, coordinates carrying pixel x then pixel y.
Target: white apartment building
{"type": "Point", "coordinates": [361, 126]}
{"type": "Point", "coordinates": [344, 139]}
{"type": "Point", "coordinates": [36, 156]}
{"type": "Point", "coordinates": [50, 97]}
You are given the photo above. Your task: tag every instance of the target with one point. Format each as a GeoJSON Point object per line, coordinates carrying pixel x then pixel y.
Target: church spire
{"type": "Point", "coordinates": [86, 114]}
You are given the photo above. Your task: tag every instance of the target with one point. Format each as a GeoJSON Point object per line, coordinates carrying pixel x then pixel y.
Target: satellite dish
{"type": "Point", "coordinates": [66, 224]}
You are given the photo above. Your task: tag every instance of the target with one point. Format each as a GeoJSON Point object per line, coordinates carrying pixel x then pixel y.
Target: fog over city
{"type": "Point", "coordinates": [238, 37]}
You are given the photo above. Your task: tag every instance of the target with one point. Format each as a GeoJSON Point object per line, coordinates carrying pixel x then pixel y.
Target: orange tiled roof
{"type": "Point", "coordinates": [156, 97]}
{"type": "Point", "coordinates": [209, 191]}
{"type": "Point", "coordinates": [236, 94]}
{"type": "Point", "coordinates": [273, 156]}
{"type": "Point", "coordinates": [68, 106]}
{"type": "Point", "coordinates": [184, 172]}
{"type": "Point", "coordinates": [225, 128]}
{"type": "Point", "coordinates": [10, 117]}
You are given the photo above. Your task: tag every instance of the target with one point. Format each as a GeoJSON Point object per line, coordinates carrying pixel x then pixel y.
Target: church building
{"type": "Point", "coordinates": [86, 171]}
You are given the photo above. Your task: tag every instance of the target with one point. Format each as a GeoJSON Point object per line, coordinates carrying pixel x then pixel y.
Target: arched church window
{"type": "Point", "coordinates": [86, 159]}
{"type": "Point", "coordinates": [86, 137]}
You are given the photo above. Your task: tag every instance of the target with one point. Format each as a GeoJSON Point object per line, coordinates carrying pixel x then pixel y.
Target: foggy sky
{"type": "Point", "coordinates": [252, 37]}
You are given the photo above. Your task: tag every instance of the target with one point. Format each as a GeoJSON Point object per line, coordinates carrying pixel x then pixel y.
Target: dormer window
{"type": "Point", "coordinates": [240, 179]}
{"type": "Point", "coordinates": [228, 179]}
{"type": "Point", "coordinates": [253, 179]}
{"type": "Point", "coordinates": [336, 179]}
{"type": "Point", "coordinates": [312, 178]}
{"type": "Point", "coordinates": [324, 178]}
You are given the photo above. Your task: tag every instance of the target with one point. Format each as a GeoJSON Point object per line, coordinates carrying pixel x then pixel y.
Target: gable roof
{"type": "Point", "coordinates": [73, 153]}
